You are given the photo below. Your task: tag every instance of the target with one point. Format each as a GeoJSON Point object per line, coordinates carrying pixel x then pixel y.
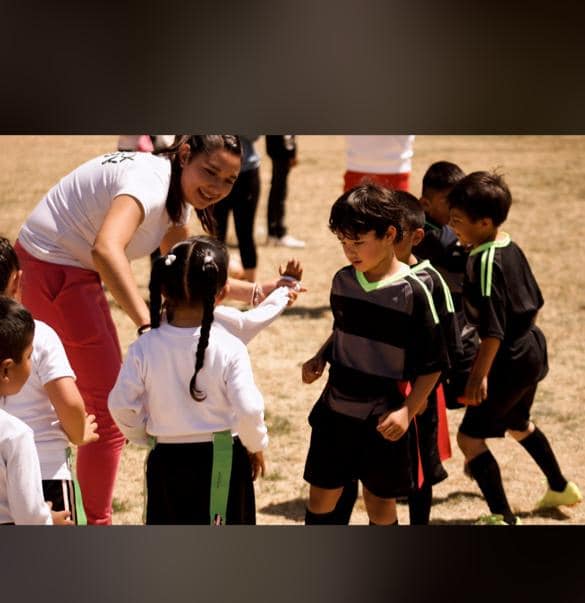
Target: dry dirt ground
{"type": "Point", "coordinates": [546, 176]}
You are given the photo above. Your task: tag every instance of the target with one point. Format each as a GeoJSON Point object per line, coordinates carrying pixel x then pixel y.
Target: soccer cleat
{"type": "Point", "coordinates": [496, 520]}
{"type": "Point", "coordinates": [571, 495]}
{"type": "Point", "coordinates": [286, 241]}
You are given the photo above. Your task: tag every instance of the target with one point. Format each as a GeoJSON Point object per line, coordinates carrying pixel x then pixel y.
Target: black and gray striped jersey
{"type": "Point", "coordinates": [383, 333]}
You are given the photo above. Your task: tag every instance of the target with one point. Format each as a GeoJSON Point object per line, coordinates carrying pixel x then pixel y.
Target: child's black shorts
{"type": "Point", "coordinates": [512, 382]}
{"type": "Point", "coordinates": [178, 478]}
{"type": "Point", "coordinates": [344, 448]}
{"type": "Point", "coordinates": [61, 493]}
{"type": "Point", "coordinates": [502, 410]}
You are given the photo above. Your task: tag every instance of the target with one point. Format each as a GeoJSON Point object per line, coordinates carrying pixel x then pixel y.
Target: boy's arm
{"type": "Point", "coordinates": [68, 404]}
{"type": "Point", "coordinates": [314, 367]}
{"type": "Point", "coordinates": [393, 425]}
{"type": "Point", "coordinates": [476, 388]}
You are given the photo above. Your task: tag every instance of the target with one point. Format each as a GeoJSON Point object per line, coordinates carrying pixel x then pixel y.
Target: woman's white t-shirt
{"type": "Point", "coordinates": [63, 227]}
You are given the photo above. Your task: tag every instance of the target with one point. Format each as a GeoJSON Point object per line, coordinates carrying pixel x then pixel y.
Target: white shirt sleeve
{"type": "Point", "coordinates": [23, 482]}
{"type": "Point", "coordinates": [246, 325]}
{"type": "Point", "coordinates": [126, 400]}
{"type": "Point", "coordinates": [51, 362]}
{"type": "Point", "coordinates": [247, 401]}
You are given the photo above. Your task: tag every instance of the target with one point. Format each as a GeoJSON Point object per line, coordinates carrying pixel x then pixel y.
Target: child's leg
{"type": "Point", "coordinates": [486, 472]}
{"type": "Point", "coordinates": [419, 504]}
{"type": "Point", "coordinates": [381, 511]}
{"type": "Point", "coordinates": [346, 503]}
{"type": "Point", "coordinates": [321, 507]}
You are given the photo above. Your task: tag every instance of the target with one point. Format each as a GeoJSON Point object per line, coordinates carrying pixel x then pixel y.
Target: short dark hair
{"type": "Point", "coordinates": [17, 329]}
{"type": "Point", "coordinates": [8, 262]}
{"type": "Point", "coordinates": [441, 176]}
{"type": "Point", "coordinates": [482, 195]}
{"type": "Point", "coordinates": [364, 208]}
{"type": "Point", "coordinates": [413, 214]}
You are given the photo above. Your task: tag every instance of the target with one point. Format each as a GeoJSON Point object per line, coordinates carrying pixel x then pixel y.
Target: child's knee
{"type": "Point", "coordinates": [323, 500]}
{"type": "Point", "coordinates": [381, 511]}
{"type": "Point", "coordinates": [520, 435]}
{"type": "Point", "coordinates": [470, 447]}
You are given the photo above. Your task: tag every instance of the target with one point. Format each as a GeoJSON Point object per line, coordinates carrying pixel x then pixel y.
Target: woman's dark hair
{"type": "Point", "coordinates": [482, 195]}
{"type": "Point", "coordinates": [17, 329]}
{"type": "Point", "coordinates": [364, 208]}
{"type": "Point", "coordinates": [8, 263]}
{"type": "Point", "coordinates": [192, 273]}
{"type": "Point", "coordinates": [198, 143]}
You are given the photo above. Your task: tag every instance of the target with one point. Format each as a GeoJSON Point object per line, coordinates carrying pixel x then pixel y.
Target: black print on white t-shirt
{"type": "Point", "coordinates": [118, 157]}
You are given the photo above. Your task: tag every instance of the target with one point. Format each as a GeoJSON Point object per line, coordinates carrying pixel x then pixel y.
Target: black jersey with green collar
{"type": "Point", "coordinates": [383, 333]}
{"type": "Point", "coordinates": [445, 308]}
{"type": "Point", "coordinates": [501, 295]}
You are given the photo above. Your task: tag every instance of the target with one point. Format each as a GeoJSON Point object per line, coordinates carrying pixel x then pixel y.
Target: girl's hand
{"type": "Point", "coordinates": [313, 369]}
{"type": "Point", "coordinates": [90, 432]}
{"type": "Point", "coordinates": [393, 425]}
{"type": "Point", "coordinates": [258, 465]}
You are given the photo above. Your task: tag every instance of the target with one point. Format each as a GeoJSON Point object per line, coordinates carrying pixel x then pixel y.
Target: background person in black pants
{"type": "Point", "coordinates": [242, 200]}
{"type": "Point", "coordinates": [282, 150]}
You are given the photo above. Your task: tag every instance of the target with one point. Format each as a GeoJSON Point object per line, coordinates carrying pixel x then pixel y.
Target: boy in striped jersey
{"type": "Point", "coordinates": [385, 332]}
{"type": "Point", "coordinates": [501, 298]}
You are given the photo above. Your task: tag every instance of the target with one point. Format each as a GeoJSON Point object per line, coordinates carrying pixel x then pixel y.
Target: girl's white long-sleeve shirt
{"type": "Point", "coordinates": [151, 395]}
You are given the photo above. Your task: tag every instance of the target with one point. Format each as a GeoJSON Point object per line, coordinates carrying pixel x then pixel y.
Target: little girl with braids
{"type": "Point", "coordinates": [188, 384]}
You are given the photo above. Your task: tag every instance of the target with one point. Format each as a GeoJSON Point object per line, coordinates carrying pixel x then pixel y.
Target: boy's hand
{"type": "Point", "coordinates": [258, 465]}
{"type": "Point", "coordinates": [475, 391]}
{"type": "Point", "coordinates": [393, 425]}
{"type": "Point", "coordinates": [90, 431]}
{"type": "Point", "coordinates": [313, 369]}
{"type": "Point", "coordinates": [60, 518]}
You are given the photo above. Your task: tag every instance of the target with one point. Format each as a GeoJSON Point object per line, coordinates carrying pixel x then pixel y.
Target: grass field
{"type": "Point", "coordinates": [546, 176]}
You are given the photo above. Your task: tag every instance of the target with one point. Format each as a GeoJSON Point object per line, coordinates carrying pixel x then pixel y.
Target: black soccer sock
{"type": "Point", "coordinates": [346, 503]}
{"type": "Point", "coordinates": [419, 505]}
{"type": "Point", "coordinates": [538, 447]}
{"type": "Point", "coordinates": [486, 473]}
{"type": "Point", "coordinates": [319, 519]}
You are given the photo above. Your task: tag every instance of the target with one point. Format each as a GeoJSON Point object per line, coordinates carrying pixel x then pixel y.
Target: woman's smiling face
{"type": "Point", "coordinates": [207, 178]}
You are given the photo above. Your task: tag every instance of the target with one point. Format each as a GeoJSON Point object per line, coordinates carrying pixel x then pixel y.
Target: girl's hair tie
{"type": "Point", "coordinates": [207, 259]}
{"type": "Point", "coordinates": [170, 259]}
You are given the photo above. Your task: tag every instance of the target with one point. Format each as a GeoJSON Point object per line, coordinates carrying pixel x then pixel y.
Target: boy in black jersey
{"type": "Point", "coordinates": [441, 247]}
{"type": "Point", "coordinates": [431, 433]}
{"type": "Point", "coordinates": [385, 332]}
{"type": "Point", "coordinates": [501, 298]}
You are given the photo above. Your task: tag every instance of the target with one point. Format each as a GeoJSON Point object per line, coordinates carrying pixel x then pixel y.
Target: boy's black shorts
{"type": "Point", "coordinates": [502, 410]}
{"type": "Point", "coordinates": [344, 448]}
{"type": "Point", "coordinates": [512, 382]}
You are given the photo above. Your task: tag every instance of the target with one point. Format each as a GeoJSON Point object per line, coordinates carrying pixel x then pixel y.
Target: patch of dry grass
{"type": "Point", "coordinates": [545, 174]}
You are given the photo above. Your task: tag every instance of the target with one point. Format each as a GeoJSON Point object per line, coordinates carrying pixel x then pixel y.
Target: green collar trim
{"type": "Point", "coordinates": [367, 286]}
{"type": "Point", "coordinates": [432, 225]}
{"type": "Point", "coordinates": [426, 265]}
{"type": "Point", "coordinates": [501, 243]}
